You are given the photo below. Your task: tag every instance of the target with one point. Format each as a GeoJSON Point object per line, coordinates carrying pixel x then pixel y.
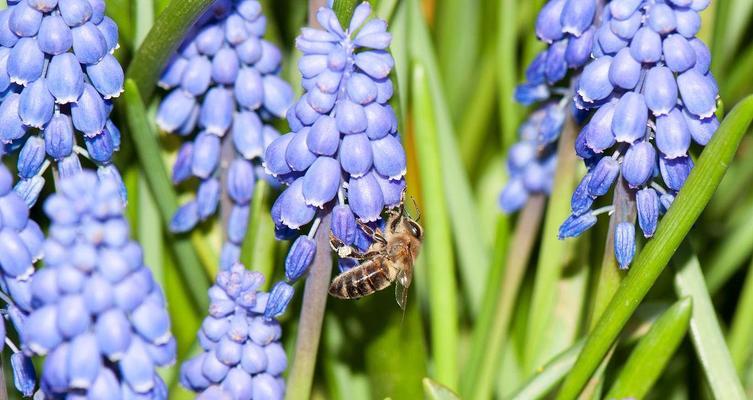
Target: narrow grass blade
{"type": "Point", "coordinates": [653, 352]}
{"type": "Point", "coordinates": [437, 391]}
{"type": "Point", "coordinates": [734, 249]}
{"type": "Point", "coordinates": [741, 331]}
{"type": "Point", "coordinates": [477, 115]}
{"type": "Point", "coordinates": [473, 249]}
{"type": "Point", "coordinates": [688, 205]}
{"type": "Point", "coordinates": [148, 151]}
{"type": "Point", "coordinates": [457, 28]}
{"type": "Point", "coordinates": [705, 332]}
{"type": "Point", "coordinates": [507, 65]}
{"type": "Point", "coordinates": [503, 285]}
{"type": "Point", "coordinates": [554, 251]}
{"type": "Point", "coordinates": [550, 375]}
{"type": "Point", "coordinates": [164, 37]}
{"type": "Point", "coordinates": [438, 241]}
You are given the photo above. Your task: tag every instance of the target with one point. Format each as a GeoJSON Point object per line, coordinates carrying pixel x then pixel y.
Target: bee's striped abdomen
{"type": "Point", "coordinates": [362, 280]}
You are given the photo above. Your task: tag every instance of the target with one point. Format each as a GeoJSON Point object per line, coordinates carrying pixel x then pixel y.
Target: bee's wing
{"type": "Point", "coordinates": [402, 283]}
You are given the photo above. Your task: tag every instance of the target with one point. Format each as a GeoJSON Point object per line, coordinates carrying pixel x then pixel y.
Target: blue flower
{"type": "Point", "coordinates": [344, 154]}
{"type": "Point", "coordinates": [59, 76]}
{"type": "Point", "coordinates": [98, 316]}
{"type": "Point", "coordinates": [224, 88]}
{"type": "Point", "coordinates": [567, 28]}
{"type": "Point", "coordinates": [243, 357]}
{"type": "Point", "coordinates": [654, 95]}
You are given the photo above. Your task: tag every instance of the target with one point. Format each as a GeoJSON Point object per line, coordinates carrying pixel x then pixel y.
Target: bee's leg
{"type": "Point", "coordinates": [375, 235]}
{"type": "Point", "coordinates": [345, 251]}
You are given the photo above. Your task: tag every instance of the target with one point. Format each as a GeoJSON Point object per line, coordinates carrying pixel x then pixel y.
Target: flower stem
{"type": "Point", "coordinates": [312, 314]}
{"type": "Point", "coordinates": [491, 331]}
{"type": "Point", "coordinates": [161, 41]}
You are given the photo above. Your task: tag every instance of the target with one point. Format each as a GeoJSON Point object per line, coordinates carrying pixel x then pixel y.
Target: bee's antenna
{"type": "Point", "coordinates": [418, 211]}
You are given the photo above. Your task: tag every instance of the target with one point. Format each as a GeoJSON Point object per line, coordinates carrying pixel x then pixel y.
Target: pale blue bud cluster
{"type": "Point", "coordinates": [344, 152]}
{"type": "Point", "coordinates": [224, 88]}
{"type": "Point", "coordinates": [567, 28]}
{"type": "Point", "coordinates": [243, 358]}
{"type": "Point", "coordinates": [653, 95]}
{"type": "Point", "coordinates": [57, 76]}
{"type": "Point", "coordinates": [98, 317]}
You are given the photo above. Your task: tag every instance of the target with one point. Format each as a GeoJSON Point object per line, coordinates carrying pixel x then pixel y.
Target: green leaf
{"type": "Point", "coordinates": [545, 379]}
{"type": "Point", "coordinates": [688, 205]}
{"type": "Point", "coordinates": [740, 345]}
{"type": "Point", "coordinates": [161, 41]}
{"type": "Point", "coordinates": [344, 11]}
{"type": "Point", "coordinates": [438, 241]}
{"type": "Point", "coordinates": [503, 285]}
{"type": "Point", "coordinates": [437, 391]}
{"type": "Point", "coordinates": [705, 332]}
{"type": "Point", "coordinates": [653, 352]}
{"type": "Point", "coordinates": [457, 37]}
{"type": "Point", "coordinates": [507, 64]}
{"type": "Point", "coordinates": [549, 268]}
{"type": "Point", "coordinates": [473, 249]}
{"type": "Point", "coordinates": [147, 148]}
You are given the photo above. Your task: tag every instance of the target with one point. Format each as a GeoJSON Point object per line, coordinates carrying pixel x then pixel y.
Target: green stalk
{"type": "Point", "coordinates": [550, 266]}
{"type": "Point", "coordinates": [675, 225]}
{"type": "Point", "coordinates": [475, 122]}
{"type": "Point", "coordinates": [719, 45]}
{"type": "Point", "coordinates": [161, 41]}
{"type": "Point", "coordinates": [438, 241]}
{"type": "Point", "coordinates": [707, 337]}
{"type": "Point", "coordinates": [507, 65]}
{"type": "Point", "coordinates": [731, 253]}
{"type": "Point", "coordinates": [472, 247]}
{"type": "Point", "coordinates": [301, 374]}
{"type": "Point", "coordinates": [491, 331]}
{"type": "Point", "coordinates": [739, 342]}
{"type": "Point", "coordinates": [653, 353]}
{"type": "Point", "coordinates": [148, 151]}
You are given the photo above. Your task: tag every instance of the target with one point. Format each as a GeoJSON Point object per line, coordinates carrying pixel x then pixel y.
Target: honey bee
{"type": "Point", "coordinates": [388, 259]}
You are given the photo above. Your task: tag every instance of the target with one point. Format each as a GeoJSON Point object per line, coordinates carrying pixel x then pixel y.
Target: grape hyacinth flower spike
{"type": "Point", "coordinates": [21, 242]}
{"type": "Point", "coordinates": [98, 317]}
{"type": "Point", "coordinates": [59, 76]}
{"type": "Point", "coordinates": [224, 88]}
{"type": "Point", "coordinates": [566, 26]}
{"type": "Point", "coordinates": [653, 95]}
{"type": "Point", "coordinates": [242, 355]}
{"type": "Point", "coordinates": [344, 155]}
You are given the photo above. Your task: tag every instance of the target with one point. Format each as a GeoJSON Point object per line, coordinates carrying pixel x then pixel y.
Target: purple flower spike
{"type": "Point", "coordinates": [294, 210]}
{"type": "Point", "coordinates": [241, 180]}
{"type": "Point", "coordinates": [701, 129]}
{"type": "Point", "coordinates": [76, 306]}
{"type": "Point", "coordinates": [624, 244]}
{"type": "Point", "coordinates": [356, 154]}
{"type": "Point", "coordinates": [513, 196]}
{"type": "Point", "coordinates": [625, 71]}
{"type": "Point", "coordinates": [577, 16]}
{"type": "Point", "coordinates": [647, 204]}
{"type": "Point", "coordinates": [678, 54]}
{"type": "Point", "coordinates": [241, 346]}
{"type": "Point", "coordinates": [594, 84]}
{"type": "Point", "coordinates": [36, 104]}
{"type": "Point", "coordinates": [646, 46]}
{"type": "Point", "coordinates": [299, 257]}
{"type": "Point", "coordinates": [548, 26]}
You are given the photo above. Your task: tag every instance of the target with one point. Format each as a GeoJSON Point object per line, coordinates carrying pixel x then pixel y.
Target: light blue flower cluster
{"type": "Point", "coordinates": [224, 84]}
{"type": "Point", "coordinates": [344, 149]}
{"type": "Point", "coordinates": [57, 76]}
{"type": "Point", "coordinates": [98, 315]}
{"type": "Point", "coordinates": [567, 26]}
{"type": "Point", "coordinates": [653, 94]}
{"type": "Point", "coordinates": [243, 358]}
{"type": "Point", "coordinates": [21, 242]}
